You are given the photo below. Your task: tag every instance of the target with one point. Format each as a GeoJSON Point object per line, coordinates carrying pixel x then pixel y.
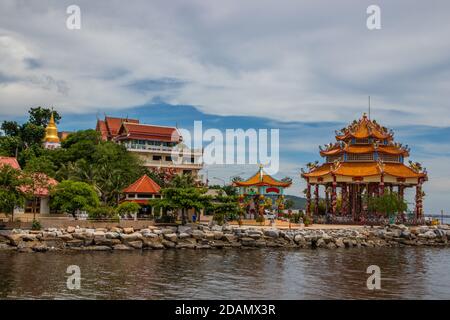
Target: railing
{"type": "Point", "coordinates": [171, 164]}
{"type": "Point", "coordinates": [371, 220]}
{"type": "Point", "coordinates": [163, 149]}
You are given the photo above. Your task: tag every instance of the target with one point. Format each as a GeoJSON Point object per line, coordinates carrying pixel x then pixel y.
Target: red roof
{"type": "Point", "coordinates": [113, 124]}
{"type": "Point", "coordinates": [148, 132]}
{"type": "Point", "coordinates": [44, 189]}
{"type": "Point", "coordinates": [11, 161]}
{"type": "Point", "coordinates": [143, 185]}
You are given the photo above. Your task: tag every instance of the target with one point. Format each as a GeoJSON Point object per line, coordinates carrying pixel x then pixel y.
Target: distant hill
{"type": "Point", "coordinates": [299, 202]}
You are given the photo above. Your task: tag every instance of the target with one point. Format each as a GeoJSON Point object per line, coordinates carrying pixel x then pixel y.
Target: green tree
{"type": "Point", "coordinates": [388, 204]}
{"type": "Point", "coordinates": [73, 196]}
{"type": "Point", "coordinates": [11, 194]}
{"type": "Point", "coordinates": [41, 164]}
{"type": "Point", "coordinates": [41, 116]}
{"type": "Point", "coordinates": [126, 208]}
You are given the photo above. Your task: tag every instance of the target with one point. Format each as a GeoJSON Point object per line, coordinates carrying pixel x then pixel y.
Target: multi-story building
{"type": "Point", "coordinates": [153, 144]}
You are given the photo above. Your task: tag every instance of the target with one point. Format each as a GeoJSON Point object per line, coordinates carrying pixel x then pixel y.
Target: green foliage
{"type": "Point", "coordinates": [388, 204]}
{"type": "Point", "coordinates": [36, 225]}
{"type": "Point", "coordinates": [225, 208]}
{"type": "Point", "coordinates": [260, 219]}
{"type": "Point", "coordinates": [41, 164]}
{"type": "Point", "coordinates": [81, 145]}
{"type": "Point", "coordinates": [41, 116]}
{"type": "Point", "coordinates": [126, 208]}
{"type": "Point", "coordinates": [11, 195]}
{"type": "Point", "coordinates": [289, 204]}
{"type": "Point", "coordinates": [102, 212]}
{"type": "Point", "coordinates": [322, 207]}
{"type": "Point", "coordinates": [71, 196]}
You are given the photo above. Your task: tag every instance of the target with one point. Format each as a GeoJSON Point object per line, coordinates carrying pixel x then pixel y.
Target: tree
{"type": "Point", "coordinates": [388, 204]}
{"type": "Point", "coordinates": [73, 196]}
{"type": "Point", "coordinates": [11, 195]}
{"type": "Point", "coordinates": [289, 204]}
{"type": "Point", "coordinates": [41, 164]}
{"type": "Point", "coordinates": [128, 208]}
{"type": "Point", "coordinates": [41, 116]}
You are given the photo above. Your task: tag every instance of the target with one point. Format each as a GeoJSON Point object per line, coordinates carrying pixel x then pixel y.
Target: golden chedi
{"type": "Point", "coordinates": [51, 139]}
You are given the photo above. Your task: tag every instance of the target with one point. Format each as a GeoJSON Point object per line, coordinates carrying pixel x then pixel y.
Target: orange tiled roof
{"type": "Point", "coordinates": [262, 179]}
{"type": "Point", "coordinates": [363, 129]}
{"type": "Point", "coordinates": [11, 161]}
{"type": "Point", "coordinates": [148, 132]}
{"type": "Point", "coordinates": [365, 169]}
{"type": "Point", "coordinates": [143, 185]}
{"type": "Point", "coordinates": [358, 149]}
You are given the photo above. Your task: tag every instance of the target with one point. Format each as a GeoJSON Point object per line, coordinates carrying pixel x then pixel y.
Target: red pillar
{"type": "Point", "coordinates": [333, 196]}
{"type": "Point", "coordinates": [316, 199]}
{"type": "Point", "coordinates": [419, 200]}
{"type": "Point", "coordinates": [401, 189]}
{"type": "Point", "coordinates": [381, 192]}
{"type": "Point", "coordinates": [344, 199]}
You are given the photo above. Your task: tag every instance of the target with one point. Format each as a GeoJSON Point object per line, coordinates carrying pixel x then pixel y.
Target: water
{"type": "Point", "coordinates": [408, 273]}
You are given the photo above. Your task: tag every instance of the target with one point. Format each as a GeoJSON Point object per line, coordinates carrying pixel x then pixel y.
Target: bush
{"type": "Point", "coordinates": [219, 218]}
{"type": "Point", "coordinates": [260, 219]}
{"type": "Point", "coordinates": [102, 212]}
{"type": "Point", "coordinates": [126, 208]}
{"type": "Point", "coordinates": [36, 225]}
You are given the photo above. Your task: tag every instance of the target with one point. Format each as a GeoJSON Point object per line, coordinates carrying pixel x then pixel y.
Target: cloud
{"type": "Point", "coordinates": [286, 61]}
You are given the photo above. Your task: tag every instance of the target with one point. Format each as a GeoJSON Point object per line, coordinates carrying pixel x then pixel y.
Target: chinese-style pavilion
{"type": "Point", "coordinates": [252, 192]}
{"type": "Point", "coordinates": [141, 191]}
{"type": "Point", "coordinates": [364, 160]}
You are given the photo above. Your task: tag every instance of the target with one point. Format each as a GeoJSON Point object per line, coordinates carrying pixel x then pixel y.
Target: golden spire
{"type": "Point", "coordinates": [51, 132]}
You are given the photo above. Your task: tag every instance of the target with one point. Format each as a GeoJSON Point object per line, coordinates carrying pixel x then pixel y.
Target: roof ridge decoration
{"type": "Point", "coordinates": [380, 165]}
{"type": "Point", "coordinates": [417, 167]}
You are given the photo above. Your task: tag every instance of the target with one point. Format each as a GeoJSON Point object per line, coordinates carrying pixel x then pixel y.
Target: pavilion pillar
{"type": "Point", "coordinates": [401, 189]}
{"type": "Point", "coordinates": [327, 199]}
{"type": "Point", "coordinates": [333, 196]}
{"type": "Point", "coordinates": [381, 189]}
{"type": "Point", "coordinates": [308, 198]}
{"type": "Point", "coordinates": [316, 199]}
{"type": "Point", "coordinates": [344, 199]}
{"type": "Point", "coordinates": [419, 200]}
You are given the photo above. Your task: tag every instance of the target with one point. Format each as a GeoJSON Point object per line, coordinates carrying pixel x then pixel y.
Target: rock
{"type": "Point", "coordinates": [440, 233]}
{"type": "Point", "coordinates": [70, 229]}
{"type": "Point", "coordinates": [154, 245]}
{"type": "Point", "coordinates": [25, 250]}
{"type": "Point", "coordinates": [247, 241]}
{"type": "Point", "coordinates": [135, 244]}
{"type": "Point", "coordinates": [171, 237]}
{"type": "Point", "coordinates": [261, 243]}
{"type": "Point", "coordinates": [209, 235]}
{"type": "Point", "coordinates": [14, 239]}
{"type": "Point", "coordinates": [150, 235]}
{"type": "Point", "coordinates": [74, 243]}
{"type": "Point", "coordinates": [184, 229]}
{"type": "Point", "coordinates": [40, 248]}
{"type": "Point", "coordinates": [29, 237]}
{"type": "Point", "coordinates": [65, 237]}
{"type": "Point", "coordinates": [168, 230]}
{"type": "Point", "coordinates": [198, 234]}
{"type": "Point", "coordinates": [216, 228]}
{"type": "Point", "coordinates": [131, 237]}
{"type": "Point", "coordinates": [121, 247]}
{"type": "Point", "coordinates": [339, 243]}
{"type": "Point", "coordinates": [202, 246]}
{"type": "Point", "coordinates": [219, 244]}
{"type": "Point", "coordinates": [168, 244]}
{"type": "Point", "coordinates": [112, 235]}
{"type": "Point", "coordinates": [299, 239]}
{"type": "Point", "coordinates": [185, 245]}
{"type": "Point", "coordinates": [5, 247]}
{"type": "Point", "coordinates": [428, 235]}
{"type": "Point", "coordinates": [218, 235]}
{"type": "Point", "coordinates": [183, 235]}
{"type": "Point", "coordinates": [128, 230]}
{"type": "Point", "coordinates": [229, 237]}
{"type": "Point", "coordinates": [98, 248]}
{"type": "Point", "coordinates": [405, 234]}
{"type": "Point", "coordinates": [331, 245]}
{"type": "Point", "coordinates": [272, 233]}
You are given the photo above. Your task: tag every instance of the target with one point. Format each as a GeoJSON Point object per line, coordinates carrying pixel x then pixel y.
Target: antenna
{"type": "Point", "coordinates": [369, 107]}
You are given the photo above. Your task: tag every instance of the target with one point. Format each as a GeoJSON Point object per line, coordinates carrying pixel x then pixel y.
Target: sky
{"type": "Point", "coordinates": [303, 67]}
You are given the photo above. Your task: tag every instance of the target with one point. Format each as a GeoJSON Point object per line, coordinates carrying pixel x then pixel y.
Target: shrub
{"type": "Point", "coordinates": [126, 208]}
{"type": "Point", "coordinates": [260, 219]}
{"type": "Point", "coordinates": [36, 225]}
{"type": "Point", "coordinates": [102, 212]}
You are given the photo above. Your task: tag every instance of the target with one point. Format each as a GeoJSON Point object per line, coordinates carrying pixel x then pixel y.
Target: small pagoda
{"type": "Point", "coordinates": [362, 163]}
{"type": "Point", "coordinates": [51, 139]}
{"type": "Point", "coordinates": [141, 191]}
{"type": "Point", "coordinates": [254, 191]}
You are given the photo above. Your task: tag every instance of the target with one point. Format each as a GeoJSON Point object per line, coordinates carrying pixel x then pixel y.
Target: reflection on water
{"type": "Point", "coordinates": [229, 274]}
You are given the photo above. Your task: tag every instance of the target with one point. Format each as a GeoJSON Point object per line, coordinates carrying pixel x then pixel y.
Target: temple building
{"type": "Point", "coordinates": [362, 163]}
{"type": "Point", "coordinates": [153, 144]}
{"type": "Point", "coordinates": [254, 191]}
{"type": "Point", "coordinates": [140, 192]}
{"type": "Point", "coordinates": [51, 139]}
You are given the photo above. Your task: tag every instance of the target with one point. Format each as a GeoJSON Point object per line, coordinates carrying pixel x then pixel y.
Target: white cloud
{"type": "Point", "coordinates": [286, 61]}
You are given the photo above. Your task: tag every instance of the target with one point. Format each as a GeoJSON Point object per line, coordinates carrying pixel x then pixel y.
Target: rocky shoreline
{"type": "Point", "coordinates": [220, 237]}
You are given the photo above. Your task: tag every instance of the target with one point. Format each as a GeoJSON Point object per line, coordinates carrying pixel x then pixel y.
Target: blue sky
{"type": "Point", "coordinates": [304, 67]}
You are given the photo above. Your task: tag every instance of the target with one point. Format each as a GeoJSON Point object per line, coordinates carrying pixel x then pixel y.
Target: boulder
{"type": "Point", "coordinates": [65, 237]}
{"type": "Point", "coordinates": [229, 237]}
{"type": "Point", "coordinates": [440, 233]}
{"type": "Point", "coordinates": [112, 235]}
{"type": "Point", "coordinates": [183, 235]}
{"type": "Point", "coordinates": [171, 237]}
{"type": "Point", "coordinates": [272, 233]}
{"type": "Point", "coordinates": [121, 247]}
{"type": "Point", "coordinates": [247, 241]}
{"type": "Point", "coordinates": [128, 230]}
{"type": "Point", "coordinates": [428, 235]}
{"type": "Point", "coordinates": [168, 244]}
{"type": "Point", "coordinates": [131, 236]}
{"type": "Point", "coordinates": [184, 229]}
{"type": "Point", "coordinates": [135, 244]}
{"type": "Point", "coordinates": [218, 235]}
{"type": "Point", "coordinates": [6, 247]}
{"type": "Point", "coordinates": [198, 234]}
{"type": "Point", "coordinates": [209, 235]}
{"type": "Point", "coordinates": [98, 248]}
{"type": "Point", "coordinates": [70, 229]}
{"type": "Point", "coordinates": [74, 243]}
{"type": "Point", "coordinates": [339, 243]}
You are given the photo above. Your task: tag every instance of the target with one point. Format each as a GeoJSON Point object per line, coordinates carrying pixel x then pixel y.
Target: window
{"type": "Point", "coordinates": [156, 158]}
{"type": "Point", "coordinates": [361, 141]}
{"type": "Point", "coordinates": [389, 157]}
{"type": "Point", "coordinates": [333, 158]}
{"type": "Point", "coordinates": [168, 158]}
{"type": "Point", "coordinates": [144, 196]}
{"type": "Point", "coordinates": [360, 157]}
